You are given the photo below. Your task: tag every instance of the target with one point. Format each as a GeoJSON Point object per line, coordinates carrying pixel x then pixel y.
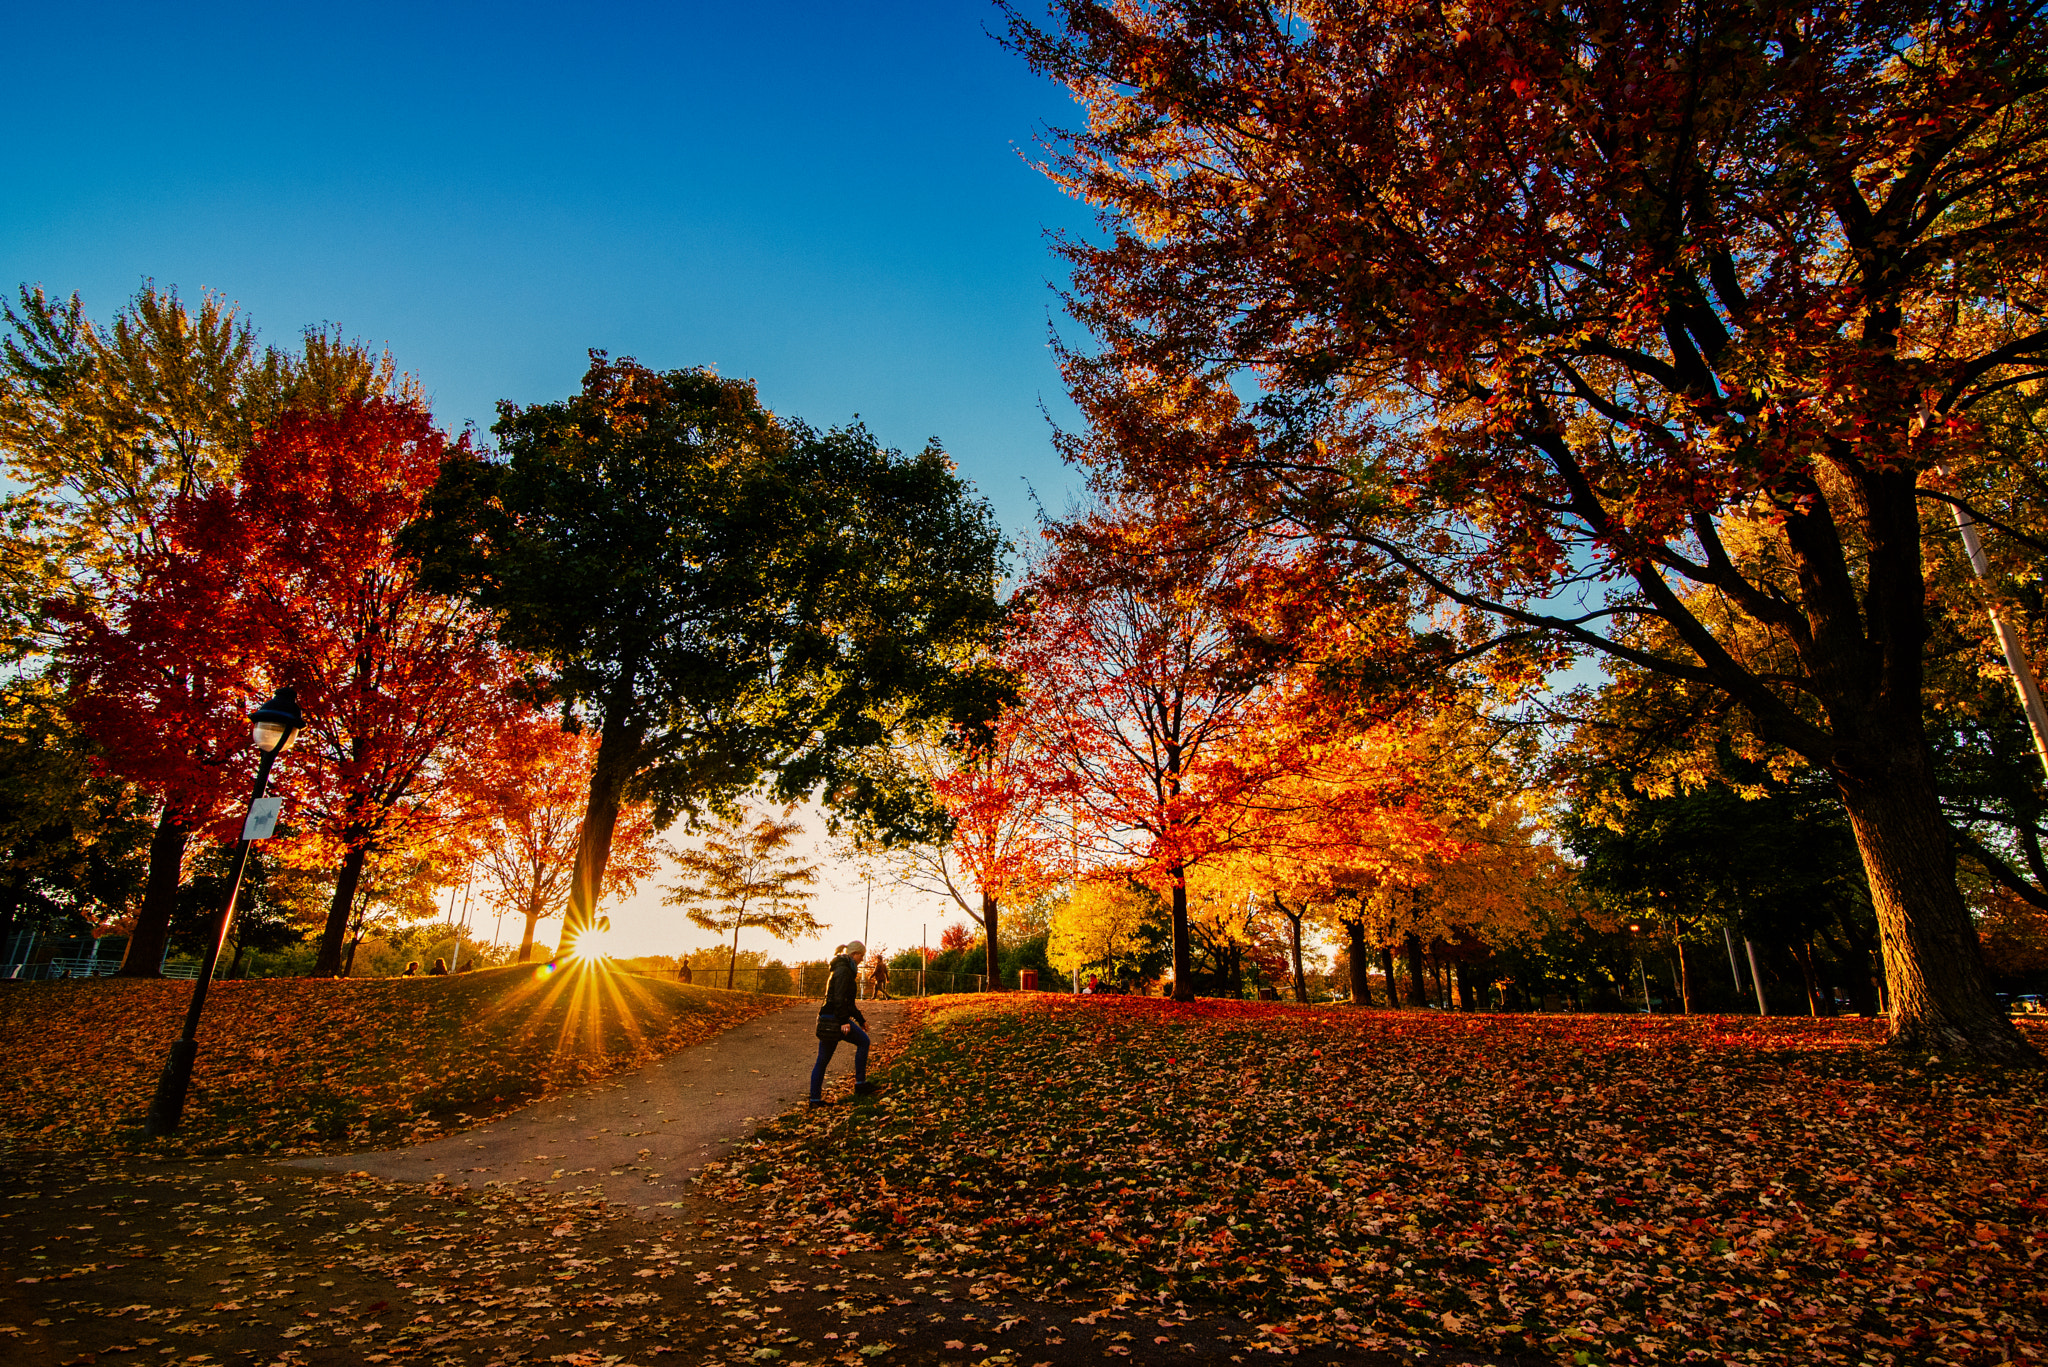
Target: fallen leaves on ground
{"type": "Point", "coordinates": [304, 1064]}
{"type": "Point", "coordinates": [239, 1260]}
{"type": "Point", "coordinates": [1587, 1189]}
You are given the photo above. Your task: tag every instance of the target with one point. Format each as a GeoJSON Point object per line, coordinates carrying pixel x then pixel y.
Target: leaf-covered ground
{"type": "Point", "coordinates": [304, 1065]}
{"type": "Point", "coordinates": [1558, 1189]}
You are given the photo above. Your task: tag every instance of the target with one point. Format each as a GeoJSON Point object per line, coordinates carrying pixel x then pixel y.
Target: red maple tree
{"type": "Point", "coordinates": [393, 681]}
{"type": "Point", "coordinates": [1153, 724]}
{"type": "Point", "coordinates": [162, 683]}
{"type": "Point", "coordinates": [1002, 844]}
{"type": "Point", "coordinates": [1642, 329]}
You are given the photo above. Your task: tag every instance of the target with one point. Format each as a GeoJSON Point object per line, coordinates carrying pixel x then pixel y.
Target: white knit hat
{"type": "Point", "coordinates": [853, 949]}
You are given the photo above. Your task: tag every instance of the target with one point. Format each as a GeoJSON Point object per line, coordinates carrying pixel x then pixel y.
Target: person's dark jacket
{"type": "Point", "coordinates": [842, 995]}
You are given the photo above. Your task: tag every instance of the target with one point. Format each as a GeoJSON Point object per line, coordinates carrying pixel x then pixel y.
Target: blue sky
{"type": "Point", "coordinates": [832, 199]}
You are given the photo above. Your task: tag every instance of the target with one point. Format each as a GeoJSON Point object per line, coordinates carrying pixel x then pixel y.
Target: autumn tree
{"type": "Point", "coordinates": [1546, 303]}
{"type": "Point", "coordinates": [1112, 924]}
{"type": "Point", "coordinates": [105, 425]}
{"type": "Point", "coordinates": [394, 680]}
{"type": "Point", "coordinates": [163, 684]}
{"type": "Point", "coordinates": [1351, 817]}
{"type": "Point", "coordinates": [741, 874]}
{"type": "Point", "coordinates": [728, 596]}
{"type": "Point", "coordinates": [1149, 717]}
{"type": "Point", "coordinates": [106, 430]}
{"type": "Point", "coordinates": [524, 801]}
{"type": "Point", "coordinates": [999, 842]}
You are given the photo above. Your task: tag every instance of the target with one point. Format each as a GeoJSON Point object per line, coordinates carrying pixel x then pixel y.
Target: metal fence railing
{"type": "Point", "coordinates": [809, 980]}
{"type": "Point", "coordinates": [29, 956]}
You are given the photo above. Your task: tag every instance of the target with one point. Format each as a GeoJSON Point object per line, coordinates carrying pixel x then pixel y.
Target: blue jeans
{"type": "Point", "coordinates": [828, 1047]}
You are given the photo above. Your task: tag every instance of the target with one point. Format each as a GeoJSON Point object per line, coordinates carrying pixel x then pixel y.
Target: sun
{"type": "Point", "coordinates": [590, 946]}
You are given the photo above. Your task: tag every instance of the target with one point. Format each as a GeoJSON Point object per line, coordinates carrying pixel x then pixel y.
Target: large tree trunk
{"type": "Point", "coordinates": [1183, 972]}
{"type": "Point", "coordinates": [618, 759]}
{"type": "Point", "coordinates": [1387, 967]}
{"type": "Point", "coordinates": [1940, 997]}
{"type": "Point", "coordinates": [1358, 959]}
{"type": "Point", "coordinates": [334, 935]}
{"type": "Point", "coordinates": [144, 957]}
{"type": "Point", "coordinates": [989, 911]}
{"type": "Point", "coordinates": [1418, 988]}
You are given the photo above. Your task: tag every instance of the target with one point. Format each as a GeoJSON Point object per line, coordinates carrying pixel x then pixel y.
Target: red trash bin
{"type": "Point", "coordinates": [1027, 980]}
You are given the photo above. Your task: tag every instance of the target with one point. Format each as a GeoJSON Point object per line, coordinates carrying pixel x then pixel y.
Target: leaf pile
{"type": "Point", "coordinates": [302, 1065]}
{"type": "Point", "coordinates": [1585, 1189]}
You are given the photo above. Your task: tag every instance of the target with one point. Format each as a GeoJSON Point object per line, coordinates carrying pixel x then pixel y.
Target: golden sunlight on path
{"type": "Point", "coordinates": [637, 1138]}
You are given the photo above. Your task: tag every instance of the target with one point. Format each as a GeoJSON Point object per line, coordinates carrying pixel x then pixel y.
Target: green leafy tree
{"type": "Point", "coordinates": [729, 596]}
{"type": "Point", "coordinates": [741, 874]}
{"type": "Point", "coordinates": [1779, 866]}
{"type": "Point", "coordinates": [74, 841]}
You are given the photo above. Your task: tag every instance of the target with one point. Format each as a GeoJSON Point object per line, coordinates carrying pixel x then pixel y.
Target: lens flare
{"type": "Point", "coordinates": [590, 945]}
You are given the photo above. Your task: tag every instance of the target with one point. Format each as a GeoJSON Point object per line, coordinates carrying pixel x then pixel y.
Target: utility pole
{"type": "Point", "coordinates": [2023, 679]}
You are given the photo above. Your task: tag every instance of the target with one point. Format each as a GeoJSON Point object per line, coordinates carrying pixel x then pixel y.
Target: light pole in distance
{"type": "Point", "coordinates": [1635, 928]}
{"type": "Point", "coordinates": [275, 724]}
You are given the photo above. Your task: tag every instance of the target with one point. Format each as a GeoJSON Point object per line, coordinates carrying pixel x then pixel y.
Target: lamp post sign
{"type": "Point", "coordinates": [275, 724]}
{"type": "Point", "coordinates": [263, 815]}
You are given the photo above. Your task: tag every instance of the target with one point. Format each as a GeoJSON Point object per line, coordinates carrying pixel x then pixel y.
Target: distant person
{"type": "Point", "coordinates": [878, 980]}
{"type": "Point", "coordinates": [684, 971]}
{"type": "Point", "coordinates": [439, 969]}
{"type": "Point", "coordinates": [412, 969]}
{"type": "Point", "coordinates": [1094, 987]}
{"type": "Point", "coordinates": [841, 1019]}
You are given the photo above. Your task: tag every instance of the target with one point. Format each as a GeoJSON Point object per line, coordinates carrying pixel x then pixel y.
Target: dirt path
{"type": "Point", "coordinates": [637, 1138]}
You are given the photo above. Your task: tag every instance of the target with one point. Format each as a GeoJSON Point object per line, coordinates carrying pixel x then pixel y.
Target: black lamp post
{"type": "Point", "coordinates": [1635, 928]}
{"type": "Point", "coordinates": [276, 723]}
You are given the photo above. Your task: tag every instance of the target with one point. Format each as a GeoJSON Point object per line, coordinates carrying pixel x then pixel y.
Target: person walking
{"type": "Point", "coordinates": [841, 1019]}
{"type": "Point", "coordinates": [878, 980]}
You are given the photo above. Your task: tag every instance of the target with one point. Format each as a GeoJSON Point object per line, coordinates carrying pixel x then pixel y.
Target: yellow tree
{"type": "Point", "coordinates": [1106, 923]}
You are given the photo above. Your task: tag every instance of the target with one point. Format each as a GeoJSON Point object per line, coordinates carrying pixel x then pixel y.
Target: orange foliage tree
{"type": "Point", "coordinates": [524, 797]}
{"type": "Point", "coordinates": [1001, 843]}
{"type": "Point", "coordinates": [1152, 728]}
{"type": "Point", "coordinates": [1352, 814]}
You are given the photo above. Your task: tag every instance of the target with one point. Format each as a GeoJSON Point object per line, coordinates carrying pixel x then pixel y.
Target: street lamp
{"type": "Point", "coordinates": [1635, 928]}
{"type": "Point", "coordinates": [275, 724]}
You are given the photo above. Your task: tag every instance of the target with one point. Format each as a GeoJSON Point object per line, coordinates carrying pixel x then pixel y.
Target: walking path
{"type": "Point", "coordinates": [638, 1137]}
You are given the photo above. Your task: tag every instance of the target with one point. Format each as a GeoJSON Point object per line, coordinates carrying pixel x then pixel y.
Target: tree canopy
{"type": "Point", "coordinates": [1588, 318]}
{"type": "Point", "coordinates": [733, 598]}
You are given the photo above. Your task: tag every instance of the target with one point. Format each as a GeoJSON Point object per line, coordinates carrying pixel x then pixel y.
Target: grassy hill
{"type": "Point", "coordinates": [301, 1065]}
